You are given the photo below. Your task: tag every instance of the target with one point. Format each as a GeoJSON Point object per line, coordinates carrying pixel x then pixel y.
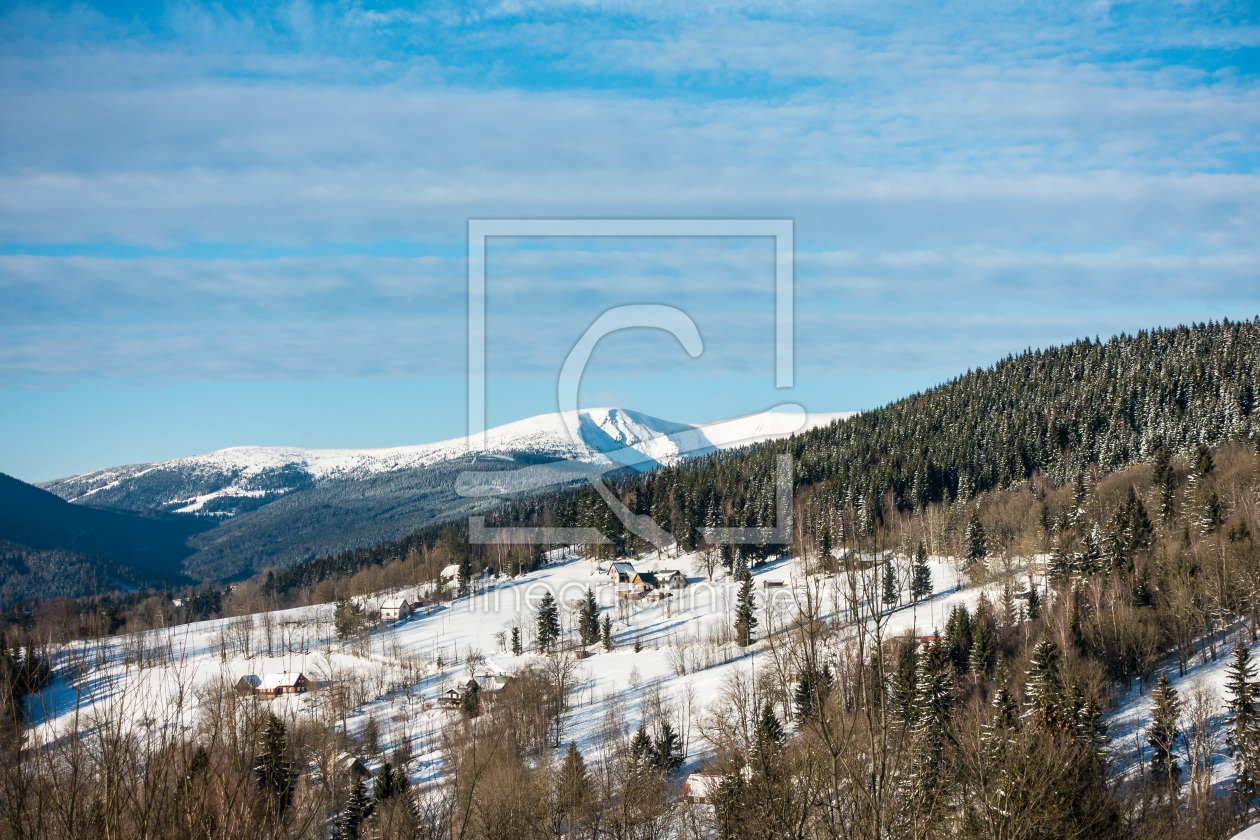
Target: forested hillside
{"type": "Point", "coordinates": [1054, 412]}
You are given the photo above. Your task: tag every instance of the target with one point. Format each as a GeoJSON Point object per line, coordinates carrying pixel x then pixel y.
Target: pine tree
{"type": "Point", "coordinates": [275, 772]}
{"type": "Point", "coordinates": [573, 787]}
{"type": "Point", "coordinates": [1044, 691]}
{"type": "Point", "coordinates": [921, 575]}
{"type": "Point", "coordinates": [976, 539]}
{"type": "Point", "coordinates": [548, 622]}
{"type": "Point", "coordinates": [606, 633]}
{"type": "Point", "coordinates": [745, 611]}
{"type": "Point", "coordinates": [1163, 732]}
{"type": "Point", "coordinates": [516, 641]}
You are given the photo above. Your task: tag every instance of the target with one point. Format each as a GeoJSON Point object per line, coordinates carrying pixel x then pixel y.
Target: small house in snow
{"type": "Point", "coordinates": [354, 767]}
{"type": "Point", "coordinates": [395, 610]}
{"type": "Point", "coordinates": [451, 572]}
{"type": "Point", "coordinates": [285, 682]}
{"type": "Point", "coordinates": [621, 573]}
{"type": "Point", "coordinates": [671, 579]}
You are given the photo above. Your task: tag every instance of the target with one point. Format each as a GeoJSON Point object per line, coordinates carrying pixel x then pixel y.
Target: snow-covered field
{"type": "Point", "coordinates": [400, 670]}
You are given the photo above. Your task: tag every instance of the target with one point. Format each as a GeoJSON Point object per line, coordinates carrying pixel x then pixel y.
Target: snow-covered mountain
{"type": "Point", "coordinates": [245, 477]}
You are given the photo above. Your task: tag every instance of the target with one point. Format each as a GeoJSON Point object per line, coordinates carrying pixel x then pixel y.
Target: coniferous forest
{"type": "Point", "coordinates": [1104, 492]}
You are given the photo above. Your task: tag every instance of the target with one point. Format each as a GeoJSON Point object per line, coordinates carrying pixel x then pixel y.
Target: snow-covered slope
{"type": "Point", "coordinates": [243, 477]}
{"type": "Point", "coordinates": [686, 655]}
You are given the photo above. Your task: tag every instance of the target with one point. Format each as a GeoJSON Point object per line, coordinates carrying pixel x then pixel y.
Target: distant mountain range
{"type": "Point", "coordinates": [248, 508]}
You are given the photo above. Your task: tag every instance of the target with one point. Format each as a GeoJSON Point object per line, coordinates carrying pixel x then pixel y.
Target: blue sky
{"type": "Point", "coordinates": [229, 224]}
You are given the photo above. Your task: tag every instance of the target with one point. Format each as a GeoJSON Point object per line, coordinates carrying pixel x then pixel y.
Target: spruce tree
{"type": "Point", "coordinates": [667, 749]}
{"type": "Point", "coordinates": [548, 622]}
{"type": "Point", "coordinates": [892, 593]}
{"type": "Point", "coordinates": [745, 611]}
{"type": "Point", "coordinates": [275, 772]}
{"type": "Point", "coordinates": [371, 736]}
{"type": "Point", "coordinates": [975, 538]}
{"type": "Point", "coordinates": [811, 691]}
{"type": "Point", "coordinates": [1212, 518]}
{"type": "Point", "coordinates": [1243, 736]}
{"type": "Point", "coordinates": [606, 633]}
{"type": "Point", "coordinates": [928, 779]}
{"type": "Point", "coordinates": [465, 575]}
{"type": "Point", "coordinates": [769, 729]}
{"type": "Point", "coordinates": [1163, 732]}
{"type": "Point", "coordinates": [516, 641]}
{"type": "Point", "coordinates": [573, 787]}
{"type": "Point", "coordinates": [981, 659]}
{"type": "Point", "coordinates": [389, 783]}
{"type": "Point", "coordinates": [921, 575]}
{"type": "Point", "coordinates": [642, 751]}
{"type": "Point", "coordinates": [958, 637]}
{"type": "Point", "coordinates": [1044, 690]}
{"type": "Point", "coordinates": [470, 702]}
{"type": "Point", "coordinates": [357, 809]}
{"type": "Point", "coordinates": [588, 619]}
{"type": "Point", "coordinates": [1203, 463]}
{"type": "Point", "coordinates": [1034, 600]}
{"type": "Point", "coordinates": [904, 692]}
{"type": "Point", "coordinates": [1165, 480]}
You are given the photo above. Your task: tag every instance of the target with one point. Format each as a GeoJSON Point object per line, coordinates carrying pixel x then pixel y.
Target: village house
{"type": "Point", "coordinates": [621, 573]}
{"type": "Point", "coordinates": [274, 685]}
{"type": "Point", "coordinates": [487, 685]}
{"type": "Point", "coordinates": [395, 610]}
{"type": "Point", "coordinates": [354, 767]}
{"type": "Point", "coordinates": [672, 579]}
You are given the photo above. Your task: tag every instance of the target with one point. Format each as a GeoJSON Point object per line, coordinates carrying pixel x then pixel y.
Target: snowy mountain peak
{"type": "Point", "coordinates": [241, 477]}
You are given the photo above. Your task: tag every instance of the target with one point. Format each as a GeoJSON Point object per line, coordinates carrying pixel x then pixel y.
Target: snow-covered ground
{"type": "Point", "coordinates": [1129, 722]}
{"type": "Point", "coordinates": [398, 673]}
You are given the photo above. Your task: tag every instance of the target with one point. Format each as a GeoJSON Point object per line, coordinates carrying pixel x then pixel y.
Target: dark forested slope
{"type": "Point", "coordinates": [1054, 411]}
